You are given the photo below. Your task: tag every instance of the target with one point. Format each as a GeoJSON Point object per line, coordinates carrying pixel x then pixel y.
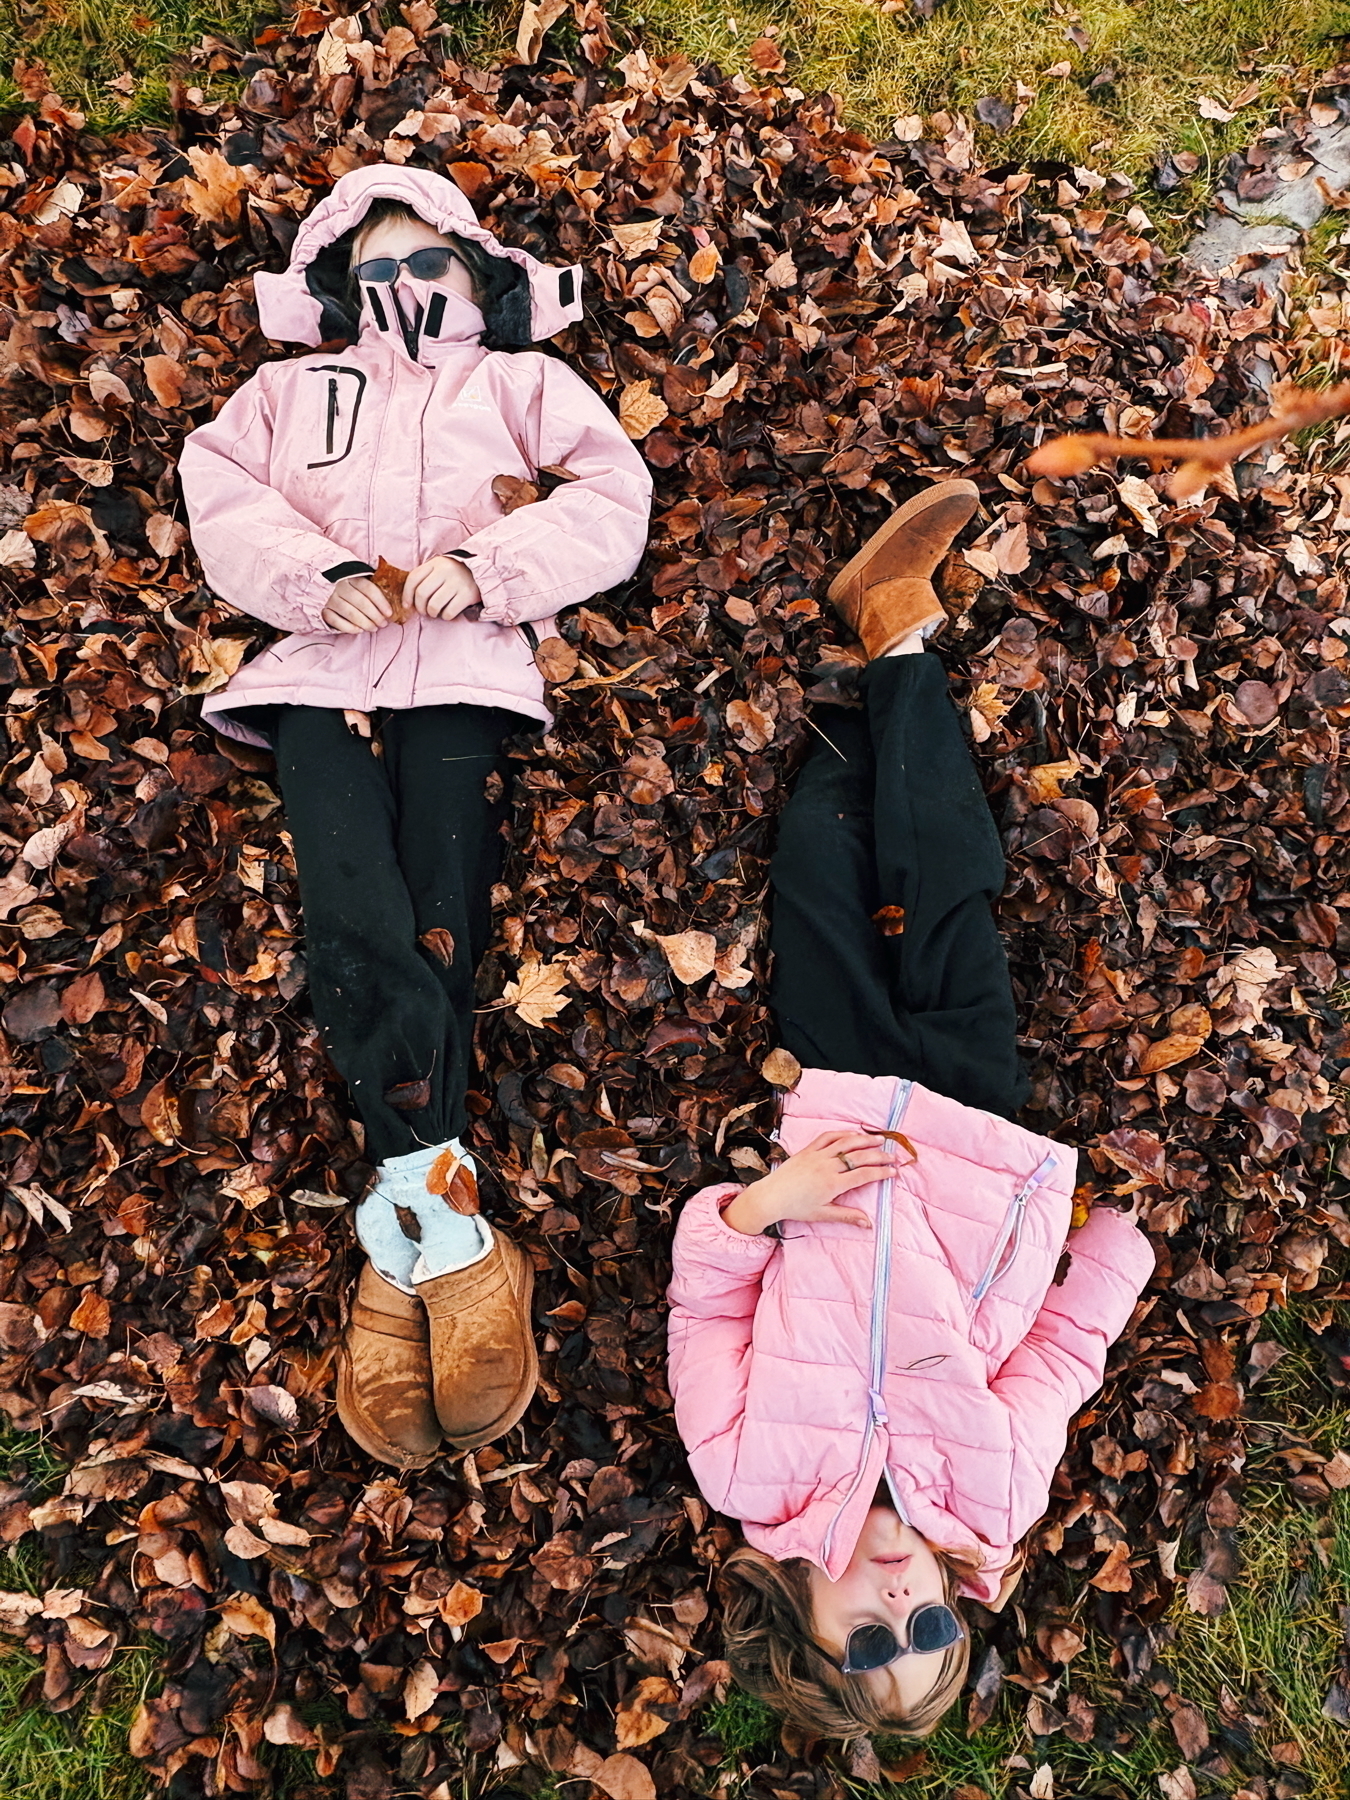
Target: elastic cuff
{"type": "Point", "coordinates": [494, 592]}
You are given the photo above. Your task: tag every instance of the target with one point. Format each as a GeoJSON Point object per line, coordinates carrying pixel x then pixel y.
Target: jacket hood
{"type": "Point", "coordinates": [289, 313]}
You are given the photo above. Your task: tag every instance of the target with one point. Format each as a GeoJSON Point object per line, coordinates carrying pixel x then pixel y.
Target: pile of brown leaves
{"type": "Point", "coordinates": [799, 325]}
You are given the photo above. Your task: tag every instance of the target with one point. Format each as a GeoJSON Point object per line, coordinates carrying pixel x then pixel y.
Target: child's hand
{"type": "Point", "coordinates": [441, 587]}
{"type": "Point", "coordinates": [805, 1186]}
{"type": "Point", "coordinates": [356, 604]}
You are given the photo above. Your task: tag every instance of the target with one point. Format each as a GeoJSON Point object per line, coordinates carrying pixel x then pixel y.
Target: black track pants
{"type": "Point", "coordinates": [890, 813]}
{"type": "Point", "coordinates": [388, 849]}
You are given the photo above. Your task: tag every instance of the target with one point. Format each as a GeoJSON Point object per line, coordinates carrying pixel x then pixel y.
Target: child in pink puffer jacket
{"type": "Point", "coordinates": [386, 447]}
{"type": "Point", "coordinates": [876, 1349]}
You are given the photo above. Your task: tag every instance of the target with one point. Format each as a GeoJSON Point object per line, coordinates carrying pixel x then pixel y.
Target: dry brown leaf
{"type": "Point", "coordinates": [640, 409]}
{"type": "Point", "coordinates": [692, 955]}
{"type": "Point", "coordinates": [780, 1068]}
{"type": "Point", "coordinates": [536, 18]}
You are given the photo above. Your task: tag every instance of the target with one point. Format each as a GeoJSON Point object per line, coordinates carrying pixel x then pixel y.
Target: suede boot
{"type": "Point", "coordinates": [384, 1386]}
{"type": "Point", "coordinates": [885, 592]}
{"type": "Point", "coordinates": [484, 1363]}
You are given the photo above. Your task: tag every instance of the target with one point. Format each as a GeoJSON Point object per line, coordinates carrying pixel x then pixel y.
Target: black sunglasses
{"type": "Point", "coordinates": [874, 1646]}
{"type": "Point", "coordinates": [427, 265]}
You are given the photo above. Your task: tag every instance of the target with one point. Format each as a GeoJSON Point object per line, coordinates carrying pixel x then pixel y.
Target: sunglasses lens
{"type": "Point", "coordinates": [933, 1628]}
{"type": "Point", "coordinates": [869, 1647]}
{"type": "Point", "coordinates": [379, 268]}
{"type": "Point", "coordinates": [430, 264]}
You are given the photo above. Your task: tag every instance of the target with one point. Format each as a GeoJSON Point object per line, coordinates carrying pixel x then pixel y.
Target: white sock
{"type": "Point", "coordinates": [914, 643]}
{"type": "Point", "coordinates": [449, 1240]}
{"type": "Point", "coordinates": [427, 1267]}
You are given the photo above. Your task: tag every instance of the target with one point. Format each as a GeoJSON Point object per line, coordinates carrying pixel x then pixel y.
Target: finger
{"type": "Point", "coordinates": [843, 1181]}
{"type": "Point", "coordinates": [847, 1215]}
{"type": "Point", "coordinates": [420, 589]}
{"type": "Point", "coordinates": [853, 1140]}
{"type": "Point", "coordinates": [376, 596]}
{"type": "Point", "coordinates": [340, 618]}
{"type": "Point", "coordinates": [867, 1158]}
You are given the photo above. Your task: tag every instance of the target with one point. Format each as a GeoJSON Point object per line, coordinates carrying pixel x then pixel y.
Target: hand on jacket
{"type": "Point", "coordinates": [441, 587]}
{"type": "Point", "coordinates": [356, 604]}
{"type": "Point", "coordinates": [806, 1186]}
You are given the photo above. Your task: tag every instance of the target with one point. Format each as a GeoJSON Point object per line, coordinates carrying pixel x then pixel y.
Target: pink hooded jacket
{"type": "Point", "coordinates": [318, 466]}
{"type": "Point", "coordinates": [934, 1351]}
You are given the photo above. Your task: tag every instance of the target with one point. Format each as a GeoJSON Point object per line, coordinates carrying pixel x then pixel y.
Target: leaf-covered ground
{"type": "Point", "coordinates": [801, 325]}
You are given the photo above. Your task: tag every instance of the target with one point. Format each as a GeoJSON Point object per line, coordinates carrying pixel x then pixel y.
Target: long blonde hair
{"type": "Point", "coordinates": [767, 1626]}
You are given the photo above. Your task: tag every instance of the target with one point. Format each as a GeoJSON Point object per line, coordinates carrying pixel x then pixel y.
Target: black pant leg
{"type": "Point", "coordinates": [450, 849]}
{"type": "Point", "coordinates": [830, 987]}
{"type": "Point", "coordinates": [899, 820]}
{"type": "Point", "coordinates": [939, 857]}
{"type": "Point", "coordinates": [380, 1009]}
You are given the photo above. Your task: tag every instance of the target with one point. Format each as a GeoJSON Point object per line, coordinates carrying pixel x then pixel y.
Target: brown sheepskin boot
{"type": "Point", "coordinates": [885, 592]}
{"type": "Point", "coordinates": [384, 1386]}
{"type": "Point", "coordinates": [484, 1363]}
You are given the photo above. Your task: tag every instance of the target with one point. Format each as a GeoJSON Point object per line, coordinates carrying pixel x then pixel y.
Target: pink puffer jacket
{"type": "Point", "coordinates": [318, 466]}
{"type": "Point", "coordinates": [934, 1351]}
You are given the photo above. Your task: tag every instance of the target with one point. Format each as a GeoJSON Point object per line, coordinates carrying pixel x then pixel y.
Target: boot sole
{"type": "Point", "coordinates": [528, 1388]}
{"type": "Point", "coordinates": [363, 1434]}
{"type": "Point", "coordinates": [943, 490]}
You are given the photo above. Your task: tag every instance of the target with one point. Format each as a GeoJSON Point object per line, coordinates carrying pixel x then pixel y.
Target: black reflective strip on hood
{"type": "Point", "coordinates": [567, 286]}
{"type": "Point", "coordinates": [377, 307]}
{"type": "Point", "coordinates": [435, 314]}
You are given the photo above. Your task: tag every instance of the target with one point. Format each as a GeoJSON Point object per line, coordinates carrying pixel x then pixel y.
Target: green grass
{"type": "Point", "coordinates": [77, 1756]}
{"type": "Point", "coordinates": [88, 44]}
{"type": "Point", "coordinates": [1165, 55]}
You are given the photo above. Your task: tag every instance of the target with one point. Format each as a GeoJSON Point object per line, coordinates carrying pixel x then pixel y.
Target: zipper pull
{"type": "Point", "coordinates": [878, 1405]}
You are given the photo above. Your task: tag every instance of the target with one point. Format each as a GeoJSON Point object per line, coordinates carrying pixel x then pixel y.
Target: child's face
{"type": "Point", "coordinates": [399, 238]}
{"type": "Point", "coordinates": [891, 1573]}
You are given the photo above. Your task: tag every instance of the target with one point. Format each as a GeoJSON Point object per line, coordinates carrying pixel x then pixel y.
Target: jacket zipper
{"type": "Point", "coordinates": [1011, 1230]}
{"type": "Point", "coordinates": [877, 1327]}
{"type": "Point", "coordinates": [332, 415]}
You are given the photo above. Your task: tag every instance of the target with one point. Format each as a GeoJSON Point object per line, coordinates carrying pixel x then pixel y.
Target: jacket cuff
{"type": "Point", "coordinates": [702, 1220]}
{"type": "Point", "coordinates": [495, 588]}
{"type": "Point", "coordinates": [340, 571]}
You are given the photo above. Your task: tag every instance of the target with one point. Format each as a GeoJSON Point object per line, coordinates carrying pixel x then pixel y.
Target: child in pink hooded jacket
{"type": "Point", "coordinates": [880, 1389]}
{"type": "Point", "coordinates": [384, 445]}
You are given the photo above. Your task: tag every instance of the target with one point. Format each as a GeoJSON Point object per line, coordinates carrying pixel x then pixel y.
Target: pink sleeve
{"type": "Point", "coordinates": [256, 550]}
{"type": "Point", "coordinates": [590, 533]}
{"type": "Point", "coordinates": [1059, 1364]}
{"type": "Point", "coordinates": [713, 1295]}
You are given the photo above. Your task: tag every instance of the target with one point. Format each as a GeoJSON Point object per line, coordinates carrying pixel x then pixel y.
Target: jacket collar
{"type": "Point", "coordinates": [420, 320]}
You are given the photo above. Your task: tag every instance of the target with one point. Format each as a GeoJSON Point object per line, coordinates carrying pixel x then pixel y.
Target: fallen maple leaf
{"type": "Point", "coordinates": [537, 994]}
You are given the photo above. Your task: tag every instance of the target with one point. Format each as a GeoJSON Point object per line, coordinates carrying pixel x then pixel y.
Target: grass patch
{"type": "Point", "coordinates": [87, 45]}
{"type": "Point", "coordinates": [75, 1756]}
{"type": "Point", "coordinates": [745, 1725]}
{"type": "Point", "coordinates": [1130, 93]}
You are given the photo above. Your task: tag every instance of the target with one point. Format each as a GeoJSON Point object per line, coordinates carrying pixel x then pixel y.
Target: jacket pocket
{"type": "Point", "coordinates": [339, 403]}
{"type": "Point", "coordinates": [1009, 1239]}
